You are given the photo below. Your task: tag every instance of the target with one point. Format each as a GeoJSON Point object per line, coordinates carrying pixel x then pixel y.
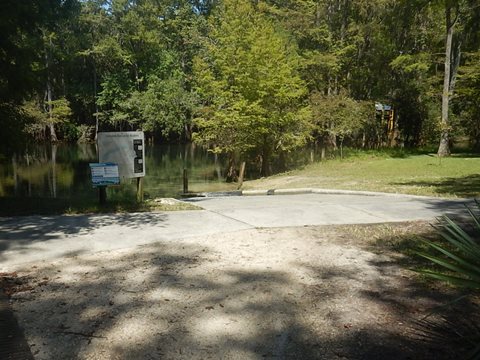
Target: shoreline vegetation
{"type": "Point", "coordinates": [412, 172]}
{"type": "Point", "coordinates": [405, 172]}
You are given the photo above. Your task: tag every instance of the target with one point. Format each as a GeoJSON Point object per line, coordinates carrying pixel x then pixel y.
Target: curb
{"type": "Point", "coordinates": [300, 191]}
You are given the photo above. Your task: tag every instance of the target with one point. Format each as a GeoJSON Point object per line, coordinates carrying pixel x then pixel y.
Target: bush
{"type": "Point", "coordinates": [458, 260]}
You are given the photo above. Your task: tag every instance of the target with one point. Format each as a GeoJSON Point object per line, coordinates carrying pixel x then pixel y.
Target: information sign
{"type": "Point", "coordinates": [125, 148]}
{"type": "Point", "coordinates": [104, 174]}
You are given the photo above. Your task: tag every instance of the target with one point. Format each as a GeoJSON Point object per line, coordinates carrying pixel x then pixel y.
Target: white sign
{"type": "Point", "coordinates": [125, 148]}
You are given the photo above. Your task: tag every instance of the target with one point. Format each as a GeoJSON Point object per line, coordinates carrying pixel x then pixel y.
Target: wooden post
{"type": "Point", "coordinates": [185, 181]}
{"type": "Point", "coordinates": [241, 175]}
{"type": "Point", "coordinates": [140, 189]}
{"type": "Point", "coordinates": [102, 195]}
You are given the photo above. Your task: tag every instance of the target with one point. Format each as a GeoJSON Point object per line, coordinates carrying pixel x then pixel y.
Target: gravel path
{"type": "Point", "coordinates": [278, 293]}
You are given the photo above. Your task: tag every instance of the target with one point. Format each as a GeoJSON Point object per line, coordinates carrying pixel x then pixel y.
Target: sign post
{"type": "Point", "coordinates": [104, 174]}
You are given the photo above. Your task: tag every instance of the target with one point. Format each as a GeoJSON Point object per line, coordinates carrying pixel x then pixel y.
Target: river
{"type": "Point", "coordinates": [62, 171]}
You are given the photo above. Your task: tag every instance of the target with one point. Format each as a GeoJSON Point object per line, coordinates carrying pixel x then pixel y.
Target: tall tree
{"type": "Point", "coordinates": [252, 93]}
{"type": "Point", "coordinates": [459, 16]}
{"type": "Point", "coordinates": [452, 14]}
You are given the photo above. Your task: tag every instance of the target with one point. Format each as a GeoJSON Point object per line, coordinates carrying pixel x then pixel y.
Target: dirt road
{"type": "Point", "coordinates": [315, 292]}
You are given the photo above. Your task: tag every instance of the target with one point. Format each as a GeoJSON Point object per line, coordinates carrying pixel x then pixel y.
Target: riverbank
{"type": "Point", "coordinates": [386, 171]}
{"type": "Point", "coordinates": [424, 174]}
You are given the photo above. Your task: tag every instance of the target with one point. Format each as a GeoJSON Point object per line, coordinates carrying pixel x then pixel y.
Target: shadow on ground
{"type": "Point", "coordinates": [21, 232]}
{"type": "Point", "coordinates": [175, 302]}
{"type": "Point", "coordinates": [26, 206]}
{"type": "Point", "coordinates": [465, 186]}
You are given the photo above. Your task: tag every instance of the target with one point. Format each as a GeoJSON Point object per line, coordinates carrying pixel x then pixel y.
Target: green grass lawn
{"type": "Point", "coordinates": [395, 172]}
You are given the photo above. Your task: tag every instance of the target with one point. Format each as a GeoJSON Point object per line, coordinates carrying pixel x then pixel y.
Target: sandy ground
{"type": "Point", "coordinates": [282, 293]}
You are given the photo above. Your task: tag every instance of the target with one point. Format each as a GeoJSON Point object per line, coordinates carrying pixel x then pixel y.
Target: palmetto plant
{"type": "Point", "coordinates": [461, 259]}
{"type": "Point", "coordinates": [458, 260]}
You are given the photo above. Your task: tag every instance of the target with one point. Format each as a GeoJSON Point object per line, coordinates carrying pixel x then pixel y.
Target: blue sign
{"type": "Point", "coordinates": [104, 174]}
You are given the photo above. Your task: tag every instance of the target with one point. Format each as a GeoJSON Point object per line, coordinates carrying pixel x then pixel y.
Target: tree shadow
{"type": "Point", "coordinates": [158, 307]}
{"type": "Point", "coordinates": [23, 233]}
{"type": "Point", "coordinates": [400, 329]}
{"type": "Point", "coordinates": [450, 320]}
{"type": "Point", "coordinates": [464, 186]}
{"type": "Point", "coordinates": [170, 300]}
{"type": "Point", "coordinates": [81, 203]}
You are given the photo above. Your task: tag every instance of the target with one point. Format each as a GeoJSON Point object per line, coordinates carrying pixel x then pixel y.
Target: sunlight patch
{"type": "Point", "coordinates": [223, 325]}
{"type": "Point", "coordinates": [130, 331]}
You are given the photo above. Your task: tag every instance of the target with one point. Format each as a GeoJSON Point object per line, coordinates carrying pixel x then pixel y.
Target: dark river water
{"type": "Point", "coordinates": [62, 171]}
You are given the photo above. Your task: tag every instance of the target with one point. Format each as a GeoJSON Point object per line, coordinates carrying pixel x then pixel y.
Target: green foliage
{"type": "Point", "coordinates": [460, 261]}
{"type": "Point", "coordinates": [18, 47]}
{"type": "Point", "coordinates": [61, 111]}
{"type": "Point", "coordinates": [340, 116]}
{"type": "Point", "coordinates": [411, 64]}
{"type": "Point", "coordinates": [252, 95]}
{"type": "Point", "coordinates": [84, 133]}
{"type": "Point", "coordinates": [36, 112]}
{"type": "Point", "coordinates": [61, 115]}
{"type": "Point", "coordinates": [13, 121]}
{"type": "Point", "coordinates": [115, 90]}
{"type": "Point", "coordinates": [244, 74]}
{"type": "Point", "coordinates": [468, 101]}
{"type": "Point", "coordinates": [165, 105]}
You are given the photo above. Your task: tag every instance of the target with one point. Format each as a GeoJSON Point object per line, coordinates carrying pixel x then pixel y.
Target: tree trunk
{"type": "Point", "coordinates": [217, 166]}
{"type": "Point", "coordinates": [188, 132]}
{"type": "Point", "coordinates": [15, 174]}
{"type": "Point", "coordinates": [95, 98]}
{"type": "Point", "coordinates": [241, 175]}
{"type": "Point", "coordinates": [51, 126]}
{"type": "Point", "coordinates": [266, 169]}
{"type": "Point", "coordinates": [231, 175]}
{"type": "Point", "coordinates": [53, 133]}
{"type": "Point", "coordinates": [265, 165]}
{"type": "Point", "coordinates": [444, 147]}
{"type": "Point", "coordinates": [54, 171]}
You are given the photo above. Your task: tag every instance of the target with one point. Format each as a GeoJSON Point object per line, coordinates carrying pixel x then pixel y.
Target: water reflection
{"type": "Point", "coordinates": [62, 171]}
{"type": "Point", "coordinates": [165, 164]}
{"type": "Point", "coordinates": [46, 171]}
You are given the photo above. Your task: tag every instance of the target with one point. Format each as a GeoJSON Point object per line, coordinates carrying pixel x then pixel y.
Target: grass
{"type": "Point", "coordinates": [401, 242]}
{"type": "Point", "coordinates": [416, 173]}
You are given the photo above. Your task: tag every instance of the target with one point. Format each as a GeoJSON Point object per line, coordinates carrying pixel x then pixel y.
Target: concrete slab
{"type": "Point", "coordinates": [36, 238]}
{"type": "Point", "coordinates": [325, 209]}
